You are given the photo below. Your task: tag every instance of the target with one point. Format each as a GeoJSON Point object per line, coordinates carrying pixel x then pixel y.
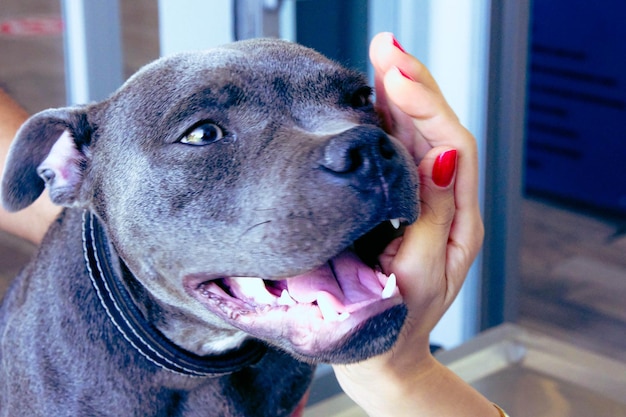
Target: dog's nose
{"type": "Point", "coordinates": [362, 155]}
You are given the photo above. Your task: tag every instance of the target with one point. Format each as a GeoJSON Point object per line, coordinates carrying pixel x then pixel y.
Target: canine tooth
{"type": "Point", "coordinates": [390, 287]}
{"type": "Point", "coordinates": [285, 299]}
{"type": "Point", "coordinates": [395, 223]}
{"type": "Point", "coordinates": [328, 312]}
{"type": "Point", "coordinates": [326, 309]}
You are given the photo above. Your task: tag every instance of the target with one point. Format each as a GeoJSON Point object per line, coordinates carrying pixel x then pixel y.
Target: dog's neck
{"type": "Point", "coordinates": [140, 332]}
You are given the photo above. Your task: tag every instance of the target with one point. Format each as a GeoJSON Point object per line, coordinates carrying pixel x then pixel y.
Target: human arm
{"type": "Point", "coordinates": [433, 257]}
{"type": "Point", "coordinates": [32, 222]}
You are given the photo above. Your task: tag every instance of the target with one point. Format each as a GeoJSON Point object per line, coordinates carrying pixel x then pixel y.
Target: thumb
{"type": "Point", "coordinates": [418, 259]}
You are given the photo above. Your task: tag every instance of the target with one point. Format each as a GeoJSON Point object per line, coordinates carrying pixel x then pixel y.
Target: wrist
{"type": "Point", "coordinates": [381, 385]}
{"type": "Point", "coordinates": [430, 389]}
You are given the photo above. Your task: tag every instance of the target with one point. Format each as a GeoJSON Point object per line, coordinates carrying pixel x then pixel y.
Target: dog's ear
{"type": "Point", "coordinates": [49, 150]}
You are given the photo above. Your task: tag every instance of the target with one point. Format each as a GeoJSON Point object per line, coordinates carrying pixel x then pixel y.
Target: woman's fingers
{"type": "Point", "coordinates": [403, 83]}
{"type": "Point", "coordinates": [386, 53]}
{"type": "Point", "coordinates": [418, 115]}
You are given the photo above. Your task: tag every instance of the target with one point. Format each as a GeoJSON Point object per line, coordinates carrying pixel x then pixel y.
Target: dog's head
{"type": "Point", "coordinates": [248, 188]}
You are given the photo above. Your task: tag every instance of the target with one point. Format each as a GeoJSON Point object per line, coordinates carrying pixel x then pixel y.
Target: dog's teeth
{"type": "Point", "coordinates": [253, 288]}
{"type": "Point", "coordinates": [327, 310]}
{"type": "Point", "coordinates": [285, 299]}
{"type": "Point", "coordinates": [211, 288]}
{"type": "Point", "coordinates": [395, 223]}
{"type": "Point", "coordinates": [390, 287]}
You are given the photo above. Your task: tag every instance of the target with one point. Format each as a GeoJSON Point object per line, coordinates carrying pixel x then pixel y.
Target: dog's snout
{"type": "Point", "coordinates": [362, 153]}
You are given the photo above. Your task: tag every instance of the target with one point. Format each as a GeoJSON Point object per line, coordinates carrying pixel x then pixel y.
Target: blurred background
{"type": "Point", "coordinates": [542, 86]}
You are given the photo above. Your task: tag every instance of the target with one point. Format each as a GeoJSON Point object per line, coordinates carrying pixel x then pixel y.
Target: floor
{"type": "Point", "coordinates": [573, 266]}
{"type": "Point", "coordinates": [573, 274]}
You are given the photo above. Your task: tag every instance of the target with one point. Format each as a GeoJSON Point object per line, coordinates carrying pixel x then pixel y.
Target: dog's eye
{"type": "Point", "coordinates": [203, 134]}
{"type": "Point", "coordinates": [361, 98]}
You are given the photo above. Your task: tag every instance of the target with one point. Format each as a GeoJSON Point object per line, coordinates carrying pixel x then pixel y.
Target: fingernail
{"type": "Point", "coordinates": [397, 44]}
{"type": "Point", "coordinates": [405, 75]}
{"type": "Point", "coordinates": [444, 167]}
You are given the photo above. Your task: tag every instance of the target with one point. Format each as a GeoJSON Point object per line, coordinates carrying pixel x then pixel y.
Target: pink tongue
{"type": "Point", "coordinates": [351, 285]}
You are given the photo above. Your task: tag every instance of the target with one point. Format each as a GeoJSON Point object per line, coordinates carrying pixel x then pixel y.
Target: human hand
{"type": "Point", "coordinates": [433, 257]}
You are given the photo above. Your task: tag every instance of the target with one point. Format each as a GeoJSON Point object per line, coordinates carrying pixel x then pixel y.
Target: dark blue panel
{"type": "Point", "coordinates": [576, 128]}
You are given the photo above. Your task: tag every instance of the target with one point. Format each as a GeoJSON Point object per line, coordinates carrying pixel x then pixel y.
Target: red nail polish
{"type": "Point", "coordinates": [397, 45]}
{"type": "Point", "coordinates": [444, 168]}
{"type": "Point", "coordinates": [405, 75]}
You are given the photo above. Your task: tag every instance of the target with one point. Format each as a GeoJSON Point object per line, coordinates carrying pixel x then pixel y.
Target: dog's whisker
{"type": "Point", "coordinates": [254, 226]}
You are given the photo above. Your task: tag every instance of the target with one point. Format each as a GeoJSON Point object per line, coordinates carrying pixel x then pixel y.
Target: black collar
{"type": "Point", "coordinates": [141, 334]}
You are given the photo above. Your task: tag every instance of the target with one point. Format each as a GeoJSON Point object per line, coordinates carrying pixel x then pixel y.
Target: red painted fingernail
{"type": "Point", "coordinates": [397, 45]}
{"type": "Point", "coordinates": [444, 167]}
{"type": "Point", "coordinates": [405, 75]}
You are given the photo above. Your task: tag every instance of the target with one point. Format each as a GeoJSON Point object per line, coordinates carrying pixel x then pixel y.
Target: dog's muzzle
{"type": "Point", "coordinates": [323, 312]}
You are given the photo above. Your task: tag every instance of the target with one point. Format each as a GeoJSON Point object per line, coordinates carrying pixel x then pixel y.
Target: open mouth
{"type": "Point", "coordinates": [315, 311]}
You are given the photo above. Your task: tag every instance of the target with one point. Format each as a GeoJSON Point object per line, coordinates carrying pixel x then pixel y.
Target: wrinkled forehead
{"type": "Point", "coordinates": [256, 78]}
{"type": "Point", "coordinates": [258, 71]}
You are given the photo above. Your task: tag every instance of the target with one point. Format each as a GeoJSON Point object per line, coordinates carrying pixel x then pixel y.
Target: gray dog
{"type": "Point", "coordinates": [224, 215]}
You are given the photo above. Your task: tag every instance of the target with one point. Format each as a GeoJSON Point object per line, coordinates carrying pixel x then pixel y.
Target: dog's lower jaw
{"type": "Point", "coordinates": [342, 312]}
{"type": "Point", "coordinates": [309, 337]}
{"type": "Point", "coordinates": [374, 337]}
